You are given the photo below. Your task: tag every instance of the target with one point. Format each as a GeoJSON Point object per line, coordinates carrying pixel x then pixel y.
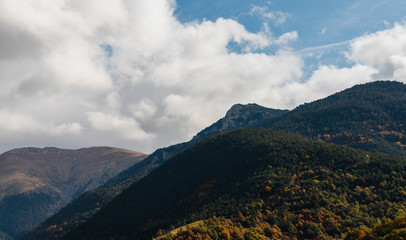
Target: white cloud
{"type": "Point", "coordinates": [160, 81]}
{"type": "Point", "coordinates": [73, 128]}
{"type": "Point", "coordinates": [124, 126]}
{"type": "Point", "coordinates": [327, 80]}
{"type": "Point", "coordinates": [24, 123]}
{"type": "Point", "coordinates": [286, 38]}
{"type": "Point", "coordinates": [143, 110]}
{"type": "Point", "coordinates": [383, 50]}
{"type": "Point", "coordinates": [276, 17]}
{"type": "Point", "coordinates": [17, 122]}
{"type": "Point", "coordinates": [326, 47]}
{"type": "Point", "coordinates": [66, 56]}
{"type": "Point", "coordinates": [375, 56]}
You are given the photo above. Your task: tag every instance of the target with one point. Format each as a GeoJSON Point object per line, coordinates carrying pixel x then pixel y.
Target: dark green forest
{"type": "Point", "coordinates": [263, 183]}
{"type": "Point", "coordinates": [370, 116]}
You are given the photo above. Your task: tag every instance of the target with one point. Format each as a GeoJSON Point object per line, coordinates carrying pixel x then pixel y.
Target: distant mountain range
{"type": "Point", "coordinates": [368, 116]}
{"type": "Point", "coordinates": [37, 182]}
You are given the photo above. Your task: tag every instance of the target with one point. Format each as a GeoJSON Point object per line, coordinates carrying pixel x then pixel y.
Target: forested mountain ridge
{"type": "Point", "coordinates": [36, 182]}
{"type": "Point", "coordinates": [261, 184]}
{"type": "Point", "coordinates": [89, 203]}
{"type": "Point", "coordinates": [369, 116]}
{"type": "Point", "coordinates": [238, 116]}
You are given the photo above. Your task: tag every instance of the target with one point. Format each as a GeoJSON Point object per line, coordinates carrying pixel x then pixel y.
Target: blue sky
{"type": "Point", "coordinates": [143, 74]}
{"type": "Point", "coordinates": [342, 19]}
{"type": "Point", "coordinates": [318, 22]}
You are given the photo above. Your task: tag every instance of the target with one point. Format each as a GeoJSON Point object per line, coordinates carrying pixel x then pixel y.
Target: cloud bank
{"type": "Point", "coordinates": [129, 74]}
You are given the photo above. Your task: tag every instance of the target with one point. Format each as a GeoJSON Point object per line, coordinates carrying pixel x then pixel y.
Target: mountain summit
{"type": "Point", "coordinates": [37, 182]}
{"type": "Point", "coordinates": [240, 116]}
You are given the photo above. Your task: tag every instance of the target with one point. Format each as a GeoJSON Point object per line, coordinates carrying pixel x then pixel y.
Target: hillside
{"type": "Point", "coordinates": [386, 230]}
{"type": "Point", "coordinates": [370, 116]}
{"type": "Point", "coordinates": [35, 183]}
{"type": "Point", "coordinates": [258, 183]}
{"type": "Point", "coordinates": [238, 116]}
{"type": "Point", "coordinates": [89, 203]}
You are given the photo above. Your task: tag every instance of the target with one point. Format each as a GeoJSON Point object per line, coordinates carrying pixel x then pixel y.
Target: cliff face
{"type": "Point", "coordinates": [35, 183]}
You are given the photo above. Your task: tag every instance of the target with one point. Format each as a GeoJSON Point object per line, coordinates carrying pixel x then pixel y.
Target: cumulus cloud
{"type": "Point", "coordinates": [128, 69]}
{"type": "Point", "coordinates": [327, 80]}
{"type": "Point", "coordinates": [20, 122]}
{"type": "Point", "coordinates": [124, 127]}
{"type": "Point", "coordinates": [384, 51]}
{"type": "Point", "coordinates": [373, 56]}
{"type": "Point", "coordinates": [129, 74]}
{"type": "Point", "coordinates": [145, 109]}
{"type": "Point", "coordinates": [65, 57]}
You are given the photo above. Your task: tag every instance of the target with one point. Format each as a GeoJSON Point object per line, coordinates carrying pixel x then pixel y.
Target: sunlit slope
{"type": "Point", "coordinates": [35, 183]}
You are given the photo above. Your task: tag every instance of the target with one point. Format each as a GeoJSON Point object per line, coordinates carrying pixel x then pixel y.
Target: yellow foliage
{"type": "Point", "coordinates": [350, 176]}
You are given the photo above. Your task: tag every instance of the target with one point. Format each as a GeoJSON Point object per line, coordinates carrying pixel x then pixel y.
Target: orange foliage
{"type": "Point", "coordinates": [361, 234]}
{"type": "Point", "coordinates": [327, 137]}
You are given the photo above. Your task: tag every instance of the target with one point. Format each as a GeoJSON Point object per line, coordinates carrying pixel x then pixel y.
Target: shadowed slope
{"type": "Point", "coordinates": [268, 177]}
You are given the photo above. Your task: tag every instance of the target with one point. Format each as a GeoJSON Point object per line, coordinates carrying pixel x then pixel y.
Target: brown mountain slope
{"type": "Point", "coordinates": [35, 183]}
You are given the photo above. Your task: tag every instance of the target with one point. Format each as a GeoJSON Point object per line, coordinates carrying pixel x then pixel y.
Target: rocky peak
{"type": "Point", "coordinates": [240, 116]}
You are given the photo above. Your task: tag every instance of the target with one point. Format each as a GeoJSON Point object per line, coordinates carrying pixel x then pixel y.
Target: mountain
{"type": "Point", "coordinates": [88, 204]}
{"type": "Point", "coordinates": [240, 116]}
{"type": "Point", "coordinates": [256, 184]}
{"type": "Point", "coordinates": [37, 182]}
{"type": "Point", "coordinates": [369, 116]}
